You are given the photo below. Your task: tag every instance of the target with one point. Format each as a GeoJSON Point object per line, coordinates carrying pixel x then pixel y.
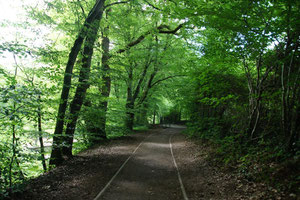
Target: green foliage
{"type": "Point", "coordinates": [231, 70]}
{"type": "Point", "coordinates": [241, 83]}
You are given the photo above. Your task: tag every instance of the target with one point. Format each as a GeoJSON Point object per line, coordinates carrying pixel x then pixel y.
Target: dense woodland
{"type": "Point", "coordinates": [104, 68]}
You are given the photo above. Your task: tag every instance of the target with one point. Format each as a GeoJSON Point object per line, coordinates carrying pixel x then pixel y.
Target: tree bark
{"type": "Point", "coordinates": [105, 89]}
{"type": "Point", "coordinates": [56, 154]}
{"type": "Point", "coordinates": [83, 85]}
{"type": "Point", "coordinates": [129, 122]}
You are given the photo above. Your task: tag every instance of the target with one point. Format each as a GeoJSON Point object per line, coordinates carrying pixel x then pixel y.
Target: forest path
{"type": "Point", "coordinates": [142, 167]}
{"type": "Point", "coordinates": [149, 173]}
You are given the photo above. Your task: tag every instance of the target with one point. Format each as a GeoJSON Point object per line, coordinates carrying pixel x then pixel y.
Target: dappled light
{"type": "Point", "coordinates": [149, 99]}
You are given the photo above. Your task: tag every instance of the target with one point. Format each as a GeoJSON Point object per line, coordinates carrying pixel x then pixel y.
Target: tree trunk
{"type": "Point", "coordinates": [129, 117]}
{"type": "Point", "coordinates": [129, 102]}
{"type": "Point", "coordinates": [283, 101]}
{"type": "Point", "coordinates": [141, 118]}
{"type": "Point", "coordinates": [56, 154]}
{"type": "Point", "coordinates": [131, 97]}
{"type": "Point", "coordinates": [83, 85]}
{"type": "Point", "coordinates": [106, 87]}
{"type": "Point", "coordinates": [42, 148]}
{"type": "Point", "coordinates": [14, 156]}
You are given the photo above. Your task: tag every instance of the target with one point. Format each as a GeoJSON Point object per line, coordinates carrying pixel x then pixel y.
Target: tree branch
{"type": "Point", "coordinates": [145, 94]}
{"type": "Point", "coordinates": [83, 12]}
{"type": "Point", "coordinates": [115, 3]}
{"type": "Point", "coordinates": [154, 7]}
{"type": "Point", "coordinates": [131, 44]}
{"type": "Point", "coordinates": [171, 31]}
{"type": "Point", "coordinates": [161, 29]}
{"type": "Point", "coordinates": [166, 78]}
{"type": "Point", "coordinates": [138, 87]}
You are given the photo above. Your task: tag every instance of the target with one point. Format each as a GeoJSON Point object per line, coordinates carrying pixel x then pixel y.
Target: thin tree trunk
{"type": "Point", "coordinates": [42, 148]}
{"type": "Point", "coordinates": [255, 123]}
{"type": "Point", "coordinates": [14, 141]}
{"type": "Point", "coordinates": [14, 156]}
{"type": "Point", "coordinates": [283, 100]}
{"type": "Point", "coordinates": [284, 76]}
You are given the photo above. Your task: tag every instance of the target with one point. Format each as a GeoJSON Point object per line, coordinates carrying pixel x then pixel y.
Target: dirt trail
{"type": "Point", "coordinates": [141, 167]}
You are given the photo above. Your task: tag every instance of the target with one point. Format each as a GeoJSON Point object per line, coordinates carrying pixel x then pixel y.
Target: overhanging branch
{"type": "Point", "coordinates": [171, 31]}
{"type": "Point", "coordinates": [166, 78]}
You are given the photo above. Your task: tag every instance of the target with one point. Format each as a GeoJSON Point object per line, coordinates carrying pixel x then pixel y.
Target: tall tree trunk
{"type": "Point", "coordinates": [285, 76]}
{"type": "Point", "coordinates": [290, 93]}
{"type": "Point", "coordinates": [105, 89]}
{"type": "Point", "coordinates": [56, 154]}
{"type": "Point", "coordinates": [83, 85]}
{"type": "Point", "coordinates": [14, 151]}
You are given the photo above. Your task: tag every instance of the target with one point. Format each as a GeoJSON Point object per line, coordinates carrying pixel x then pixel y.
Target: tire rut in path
{"type": "Point", "coordinates": [149, 173]}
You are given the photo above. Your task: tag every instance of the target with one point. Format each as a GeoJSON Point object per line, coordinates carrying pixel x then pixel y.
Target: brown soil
{"type": "Point", "coordinates": [149, 173]}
